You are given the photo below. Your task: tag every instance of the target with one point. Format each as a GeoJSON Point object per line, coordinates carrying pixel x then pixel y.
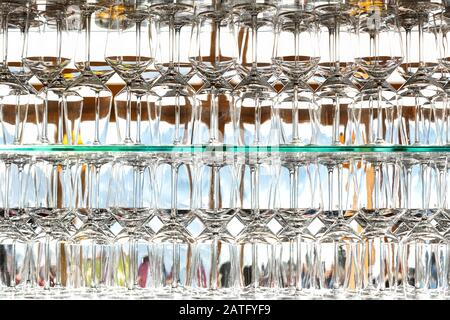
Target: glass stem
{"type": "Point", "coordinates": [295, 133]}
{"type": "Point", "coordinates": [18, 123]}
{"type": "Point", "coordinates": [90, 191]}
{"type": "Point", "coordinates": [97, 186]}
{"type": "Point", "coordinates": [380, 137]}
{"type": "Point", "coordinates": [44, 136]}
{"type": "Point", "coordinates": [371, 121]}
{"type": "Point", "coordinates": [340, 191]}
{"type": "Point", "coordinates": [442, 188]}
{"type": "Point", "coordinates": [417, 120]}
{"type": "Point", "coordinates": [59, 22]}
{"type": "Point", "coordinates": [377, 187]}
{"type": "Point", "coordinates": [336, 46]}
{"type": "Point", "coordinates": [214, 261]}
{"type": "Point", "coordinates": [135, 188]}
{"type": "Point", "coordinates": [128, 139]}
{"type": "Point", "coordinates": [330, 188]}
{"type": "Point", "coordinates": [22, 193]}
{"type": "Point", "coordinates": [6, 195]}
{"type": "Point", "coordinates": [173, 191]}
{"type": "Point", "coordinates": [138, 39]}
{"type": "Point", "coordinates": [97, 119]}
{"type": "Point", "coordinates": [257, 139]}
{"type": "Point", "coordinates": [138, 118]}
{"type": "Point", "coordinates": [47, 261]}
{"type": "Point", "coordinates": [132, 282]}
{"type": "Point", "coordinates": [177, 48]}
{"type": "Point", "coordinates": [254, 41]}
{"type": "Point", "coordinates": [94, 267]}
{"type": "Point", "coordinates": [427, 186]}
{"type": "Point", "coordinates": [61, 123]}
{"type": "Point", "coordinates": [214, 118]}
{"type": "Point", "coordinates": [55, 181]}
{"type": "Point", "coordinates": [5, 38]}
{"type": "Point", "coordinates": [254, 173]}
{"type": "Point", "coordinates": [336, 120]}
{"type": "Point", "coordinates": [408, 186]}
{"type": "Point", "coordinates": [332, 47]}
{"type": "Point", "coordinates": [421, 56]}
{"type": "Point", "coordinates": [87, 19]}
{"type": "Point", "coordinates": [58, 265]}
{"type": "Point", "coordinates": [171, 43]}
{"type": "Point", "coordinates": [408, 47]}
{"type": "Point", "coordinates": [216, 188]}
{"type": "Point", "coordinates": [177, 138]}
{"type": "Point", "coordinates": [293, 179]}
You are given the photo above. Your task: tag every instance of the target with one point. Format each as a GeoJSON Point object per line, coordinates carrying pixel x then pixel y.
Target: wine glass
{"type": "Point", "coordinates": [296, 55]}
{"type": "Point", "coordinates": [172, 243]}
{"type": "Point", "coordinates": [442, 30]}
{"type": "Point", "coordinates": [171, 101]}
{"type": "Point", "coordinates": [175, 21]}
{"type": "Point", "coordinates": [129, 61]}
{"type": "Point", "coordinates": [14, 98]}
{"type": "Point", "coordinates": [339, 248]}
{"type": "Point", "coordinates": [337, 93]}
{"type": "Point", "coordinates": [258, 245]}
{"type": "Point", "coordinates": [424, 248]}
{"type": "Point", "coordinates": [299, 200]}
{"type": "Point", "coordinates": [422, 98]}
{"type": "Point", "coordinates": [132, 210]}
{"type": "Point", "coordinates": [95, 72]}
{"type": "Point", "coordinates": [214, 256]}
{"type": "Point", "coordinates": [213, 53]}
{"type": "Point", "coordinates": [413, 17]}
{"type": "Point", "coordinates": [257, 120]}
{"type": "Point", "coordinates": [13, 240]}
{"type": "Point", "coordinates": [89, 250]}
{"type": "Point", "coordinates": [379, 56]}
{"type": "Point", "coordinates": [47, 62]}
{"type": "Point", "coordinates": [19, 23]}
{"type": "Point", "coordinates": [380, 205]}
{"type": "Point", "coordinates": [52, 200]}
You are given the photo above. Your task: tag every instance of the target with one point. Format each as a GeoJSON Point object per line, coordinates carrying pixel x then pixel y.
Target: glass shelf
{"type": "Point", "coordinates": [232, 149]}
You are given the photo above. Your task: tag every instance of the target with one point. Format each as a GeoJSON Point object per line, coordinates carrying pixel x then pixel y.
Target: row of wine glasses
{"type": "Point", "coordinates": [218, 224]}
{"type": "Point", "coordinates": [235, 72]}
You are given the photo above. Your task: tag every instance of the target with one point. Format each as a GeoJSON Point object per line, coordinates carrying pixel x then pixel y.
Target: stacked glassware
{"type": "Point", "coordinates": [258, 149]}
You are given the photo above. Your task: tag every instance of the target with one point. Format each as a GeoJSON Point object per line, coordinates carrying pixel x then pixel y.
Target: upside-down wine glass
{"type": "Point", "coordinates": [298, 189]}
{"type": "Point", "coordinates": [422, 99]}
{"type": "Point", "coordinates": [47, 62]}
{"type": "Point", "coordinates": [172, 100]}
{"type": "Point", "coordinates": [132, 210]}
{"type": "Point", "coordinates": [90, 248]}
{"type": "Point", "coordinates": [339, 248]}
{"type": "Point", "coordinates": [129, 53]}
{"type": "Point", "coordinates": [213, 52]}
{"type": "Point", "coordinates": [95, 72]}
{"type": "Point", "coordinates": [296, 55]}
{"type": "Point", "coordinates": [214, 257]}
{"type": "Point", "coordinates": [379, 55]}
{"type": "Point", "coordinates": [336, 94]}
{"type": "Point", "coordinates": [381, 205]}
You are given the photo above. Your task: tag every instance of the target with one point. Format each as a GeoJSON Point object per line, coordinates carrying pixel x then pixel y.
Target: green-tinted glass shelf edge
{"type": "Point", "coordinates": [248, 149]}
